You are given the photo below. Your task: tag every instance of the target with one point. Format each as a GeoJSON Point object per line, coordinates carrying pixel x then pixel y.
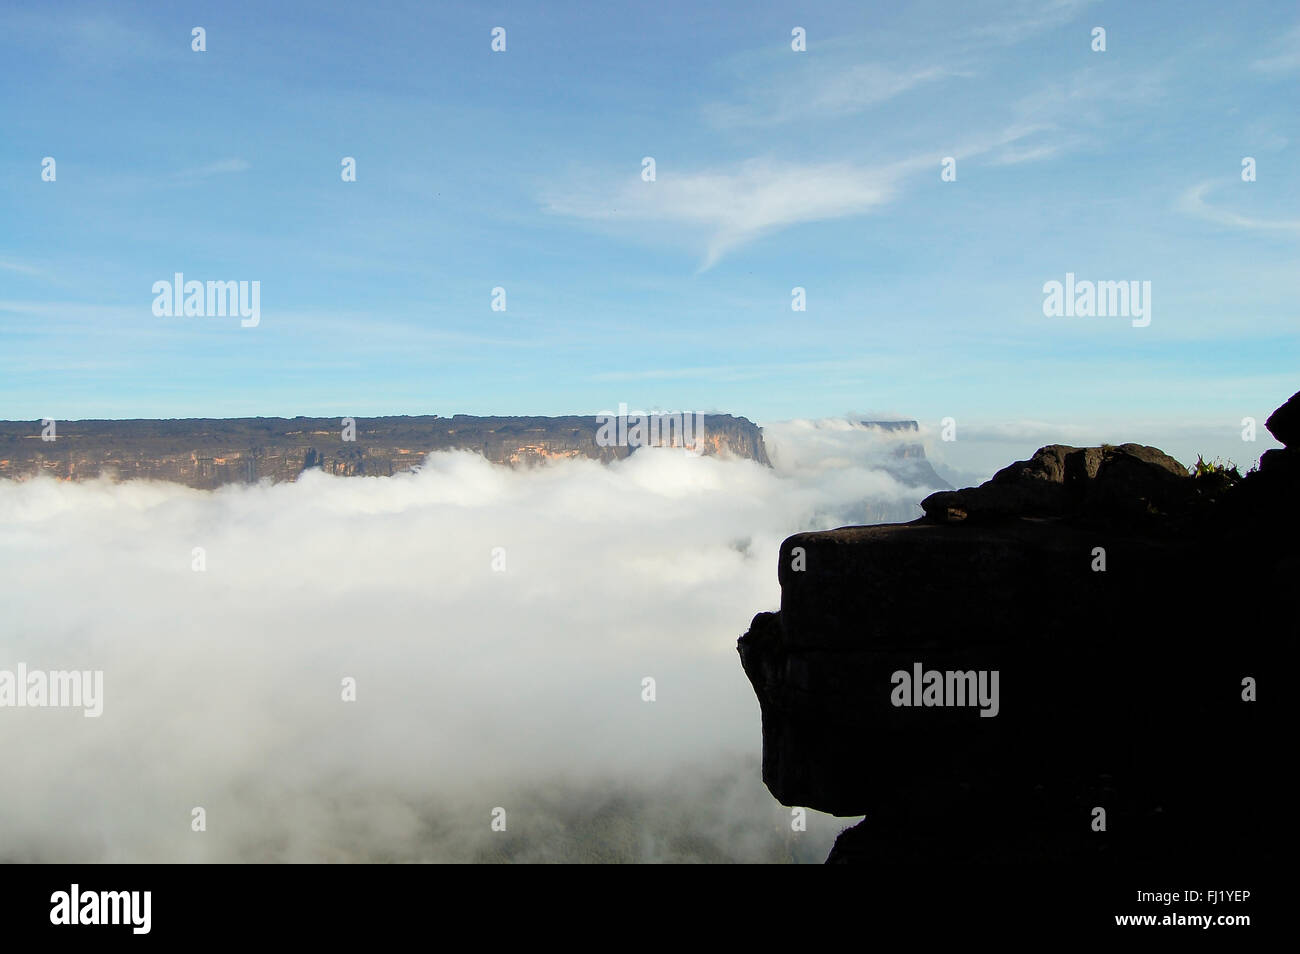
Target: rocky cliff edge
{"type": "Point", "coordinates": [1133, 613]}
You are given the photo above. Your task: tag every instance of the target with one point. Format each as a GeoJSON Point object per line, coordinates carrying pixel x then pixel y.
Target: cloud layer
{"type": "Point", "coordinates": [476, 689]}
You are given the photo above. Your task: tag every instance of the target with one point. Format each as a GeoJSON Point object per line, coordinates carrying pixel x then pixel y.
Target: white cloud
{"type": "Point", "coordinates": [85, 42]}
{"type": "Point", "coordinates": [832, 81]}
{"type": "Point", "coordinates": [1016, 156]}
{"type": "Point", "coordinates": [22, 269]}
{"type": "Point", "coordinates": [723, 209]}
{"type": "Point", "coordinates": [1018, 20]}
{"type": "Point", "coordinates": [819, 91]}
{"type": "Point", "coordinates": [476, 689]}
{"type": "Point", "coordinates": [715, 211]}
{"type": "Point", "coordinates": [1193, 203]}
{"type": "Point", "coordinates": [1285, 56]}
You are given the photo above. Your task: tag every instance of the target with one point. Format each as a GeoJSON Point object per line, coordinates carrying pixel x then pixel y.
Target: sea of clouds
{"type": "Point", "coordinates": [476, 688]}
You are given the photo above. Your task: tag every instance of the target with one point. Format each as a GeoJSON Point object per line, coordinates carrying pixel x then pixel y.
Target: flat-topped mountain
{"type": "Point", "coordinates": [912, 468]}
{"type": "Point", "coordinates": [894, 426]}
{"type": "Point", "coordinates": [206, 453]}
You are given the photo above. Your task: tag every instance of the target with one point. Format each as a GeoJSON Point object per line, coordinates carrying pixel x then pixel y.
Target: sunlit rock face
{"type": "Point", "coordinates": [204, 453]}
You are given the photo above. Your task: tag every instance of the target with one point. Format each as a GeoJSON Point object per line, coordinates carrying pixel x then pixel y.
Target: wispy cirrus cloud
{"type": "Point", "coordinates": [1049, 121]}
{"type": "Point", "coordinates": [821, 91]}
{"type": "Point", "coordinates": [1086, 96]}
{"type": "Point", "coordinates": [219, 168]}
{"type": "Point", "coordinates": [23, 269]}
{"type": "Point", "coordinates": [722, 209]}
{"type": "Point", "coordinates": [1193, 203]}
{"type": "Point", "coordinates": [833, 81]}
{"type": "Point", "coordinates": [1015, 155]}
{"type": "Point", "coordinates": [1021, 19]}
{"type": "Point", "coordinates": [1285, 55]}
{"type": "Point", "coordinates": [90, 41]}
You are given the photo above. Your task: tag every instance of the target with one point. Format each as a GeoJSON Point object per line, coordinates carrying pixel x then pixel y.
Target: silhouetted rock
{"type": "Point", "coordinates": [1112, 593]}
{"type": "Point", "coordinates": [1284, 423]}
{"type": "Point", "coordinates": [1059, 480]}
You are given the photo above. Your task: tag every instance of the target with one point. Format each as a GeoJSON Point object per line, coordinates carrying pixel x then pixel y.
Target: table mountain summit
{"type": "Point", "coordinates": [206, 453]}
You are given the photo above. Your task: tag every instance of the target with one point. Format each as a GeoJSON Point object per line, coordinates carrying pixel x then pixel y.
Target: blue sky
{"type": "Point", "coordinates": [775, 169]}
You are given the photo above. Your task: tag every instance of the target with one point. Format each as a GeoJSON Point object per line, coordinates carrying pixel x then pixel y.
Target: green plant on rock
{"type": "Point", "coordinates": [1214, 476]}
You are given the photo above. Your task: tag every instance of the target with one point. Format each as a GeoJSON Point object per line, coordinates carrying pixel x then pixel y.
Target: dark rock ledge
{"type": "Point", "coordinates": [1120, 689]}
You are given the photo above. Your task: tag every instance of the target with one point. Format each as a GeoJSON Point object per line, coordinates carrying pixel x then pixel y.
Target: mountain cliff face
{"type": "Point", "coordinates": [909, 466]}
{"type": "Point", "coordinates": [204, 453]}
{"type": "Point", "coordinates": [1108, 601]}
